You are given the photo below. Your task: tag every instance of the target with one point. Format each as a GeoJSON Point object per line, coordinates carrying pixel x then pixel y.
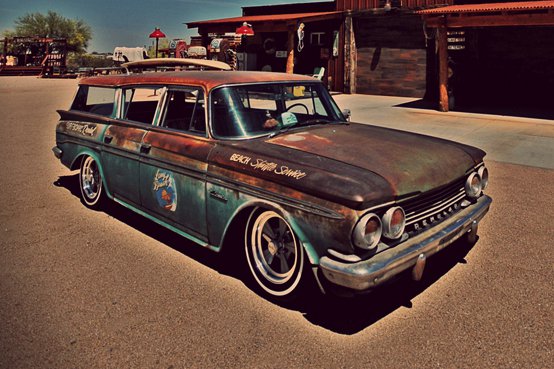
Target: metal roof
{"type": "Point", "coordinates": [490, 8]}
{"type": "Point", "coordinates": [267, 18]}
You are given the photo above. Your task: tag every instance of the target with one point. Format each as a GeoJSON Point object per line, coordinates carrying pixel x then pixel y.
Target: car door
{"type": "Point", "coordinates": [174, 162]}
{"type": "Point", "coordinates": [123, 141]}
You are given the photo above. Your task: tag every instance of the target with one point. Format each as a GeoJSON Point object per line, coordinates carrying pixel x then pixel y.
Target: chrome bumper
{"type": "Point", "coordinates": [370, 273]}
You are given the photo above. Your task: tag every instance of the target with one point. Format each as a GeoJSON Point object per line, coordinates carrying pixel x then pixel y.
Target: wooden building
{"type": "Point", "coordinates": [365, 46]}
{"type": "Point", "coordinates": [452, 51]}
{"type": "Point", "coordinates": [495, 54]}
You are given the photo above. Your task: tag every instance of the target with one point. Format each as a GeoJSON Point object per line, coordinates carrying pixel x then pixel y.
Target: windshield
{"type": "Point", "coordinates": [262, 109]}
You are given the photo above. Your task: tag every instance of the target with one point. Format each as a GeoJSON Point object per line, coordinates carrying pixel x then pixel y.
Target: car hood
{"type": "Point", "coordinates": [356, 165]}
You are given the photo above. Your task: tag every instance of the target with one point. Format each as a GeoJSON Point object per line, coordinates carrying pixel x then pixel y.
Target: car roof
{"type": "Point", "coordinates": [207, 79]}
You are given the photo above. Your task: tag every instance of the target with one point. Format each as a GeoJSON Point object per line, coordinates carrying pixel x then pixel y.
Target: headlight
{"type": "Point", "coordinates": [484, 174]}
{"type": "Point", "coordinates": [473, 185]}
{"type": "Point", "coordinates": [367, 233]}
{"type": "Point", "coordinates": [394, 221]}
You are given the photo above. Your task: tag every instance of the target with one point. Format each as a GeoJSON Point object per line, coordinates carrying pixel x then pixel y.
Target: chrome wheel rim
{"type": "Point", "coordinates": [274, 248]}
{"type": "Point", "coordinates": [91, 182]}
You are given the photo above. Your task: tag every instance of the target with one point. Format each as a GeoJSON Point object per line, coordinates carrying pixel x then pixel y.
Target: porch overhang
{"type": "Point", "coordinates": [262, 23]}
{"type": "Point", "coordinates": [527, 13]}
{"type": "Point", "coordinates": [513, 14]}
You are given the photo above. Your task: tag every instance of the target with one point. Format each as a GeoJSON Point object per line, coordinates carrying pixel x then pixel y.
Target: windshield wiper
{"type": "Point", "coordinates": [310, 122]}
{"type": "Point", "coordinates": [283, 129]}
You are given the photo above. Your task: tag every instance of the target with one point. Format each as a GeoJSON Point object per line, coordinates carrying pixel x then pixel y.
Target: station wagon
{"type": "Point", "coordinates": [268, 166]}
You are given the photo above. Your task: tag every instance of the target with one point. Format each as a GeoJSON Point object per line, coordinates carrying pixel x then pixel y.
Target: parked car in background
{"type": "Point", "coordinates": [266, 166]}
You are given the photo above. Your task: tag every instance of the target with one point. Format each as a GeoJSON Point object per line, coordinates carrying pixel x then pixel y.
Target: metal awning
{"type": "Point", "coordinates": [490, 7]}
{"type": "Point", "coordinates": [256, 19]}
{"type": "Point", "coordinates": [526, 13]}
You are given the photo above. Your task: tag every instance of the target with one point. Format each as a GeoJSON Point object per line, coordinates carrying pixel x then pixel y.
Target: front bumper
{"type": "Point", "coordinates": [380, 268]}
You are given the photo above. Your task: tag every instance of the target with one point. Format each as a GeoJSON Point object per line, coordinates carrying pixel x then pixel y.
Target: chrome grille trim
{"type": "Point", "coordinates": [434, 205]}
{"type": "Point", "coordinates": [434, 210]}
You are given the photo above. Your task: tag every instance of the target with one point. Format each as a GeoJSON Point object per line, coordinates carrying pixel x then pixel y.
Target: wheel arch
{"type": "Point", "coordinates": [76, 163]}
{"type": "Point", "coordinates": [237, 225]}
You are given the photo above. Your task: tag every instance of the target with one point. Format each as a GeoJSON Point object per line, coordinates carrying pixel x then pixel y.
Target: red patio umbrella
{"type": "Point", "coordinates": [157, 34]}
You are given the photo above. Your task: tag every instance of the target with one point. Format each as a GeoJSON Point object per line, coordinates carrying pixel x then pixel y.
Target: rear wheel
{"type": "Point", "coordinates": [273, 253]}
{"type": "Point", "coordinates": [90, 182]}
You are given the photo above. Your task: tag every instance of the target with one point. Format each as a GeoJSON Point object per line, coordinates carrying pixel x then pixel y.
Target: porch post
{"type": "Point", "coordinates": [443, 64]}
{"type": "Point", "coordinates": [290, 51]}
{"type": "Point", "coordinates": [350, 55]}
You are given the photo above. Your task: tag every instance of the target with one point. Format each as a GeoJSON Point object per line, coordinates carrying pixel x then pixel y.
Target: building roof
{"type": "Point", "coordinates": [267, 18]}
{"type": "Point", "coordinates": [490, 8]}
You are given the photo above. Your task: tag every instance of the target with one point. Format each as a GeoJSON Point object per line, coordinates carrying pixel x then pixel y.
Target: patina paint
{"type": "Point", "coordinates": [182, 159]}
{"type": "Point", "coordinates": [323, 223]}
{"type": "Point", "coordinates": [408, 162]}
{"type": "Point", "coordinates": [77, 135]}
{"type": "Point", "coordinates": [207, 79]}
{"type": "Point", "coordinates": [120, 158]}
{"type": "Point", "coordinates": [303, 172]}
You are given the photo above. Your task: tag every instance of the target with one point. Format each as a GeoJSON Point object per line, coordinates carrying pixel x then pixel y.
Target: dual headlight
{"type": "Point", "coordinates": [476, 182]}
{"type": "Point", "coordinates": [371, 228]}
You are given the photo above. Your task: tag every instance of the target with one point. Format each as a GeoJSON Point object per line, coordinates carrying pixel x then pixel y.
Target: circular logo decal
{"type": "Point", "coordinates": [164, 190]}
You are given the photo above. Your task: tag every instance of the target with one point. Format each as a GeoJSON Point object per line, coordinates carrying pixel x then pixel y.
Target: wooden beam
{"type": "Point", "coordinates": [443, 67]}
{"type": "Point", "coordinates": [350, 55]}
{"type": "Point", "coordinates": [543, 19]}
{"type": "Point", "coordinates": [258, 27]}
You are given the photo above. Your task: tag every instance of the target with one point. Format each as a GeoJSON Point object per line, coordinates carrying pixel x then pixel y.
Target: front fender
{"type": "Point", "coordinates": [242, 205]}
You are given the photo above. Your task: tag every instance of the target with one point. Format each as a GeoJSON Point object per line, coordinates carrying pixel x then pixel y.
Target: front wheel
{"type": "Point", "coordinates": [273, 253]}
{"type": "Point", "coordinates": [90, 182]}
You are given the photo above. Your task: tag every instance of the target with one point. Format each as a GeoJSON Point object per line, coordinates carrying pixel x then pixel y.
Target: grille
{"type": "Point", "coordinates": [433, 206]}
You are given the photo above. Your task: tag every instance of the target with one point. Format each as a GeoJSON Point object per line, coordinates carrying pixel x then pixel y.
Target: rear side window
{"type": "Point", "coordinates": [185, 111]}
{"type": "Point", "coordinates": [140, 103]}
{"type": "Point", "coordinates": [96, 100]}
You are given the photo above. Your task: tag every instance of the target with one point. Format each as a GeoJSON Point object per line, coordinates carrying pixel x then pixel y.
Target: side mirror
{"type": "Point", "coordinates": [347, 113]}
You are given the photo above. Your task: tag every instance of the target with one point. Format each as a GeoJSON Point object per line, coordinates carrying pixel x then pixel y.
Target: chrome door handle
{"type": "Point", "coordinates": [218, 196]}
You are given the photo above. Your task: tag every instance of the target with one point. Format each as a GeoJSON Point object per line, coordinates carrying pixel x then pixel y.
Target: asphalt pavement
{"type": "Point", "coordinates": [109, 289]}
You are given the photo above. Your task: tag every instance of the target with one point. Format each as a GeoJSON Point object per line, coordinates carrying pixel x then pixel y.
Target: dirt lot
{"type": "Point", "coordinates": [86, 289]}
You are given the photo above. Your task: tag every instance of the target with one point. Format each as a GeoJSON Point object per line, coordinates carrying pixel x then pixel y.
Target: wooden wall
{"type": "Point", "coordinates": [372, 4]}
{"type": "Point", "coordinates": [391, 53]}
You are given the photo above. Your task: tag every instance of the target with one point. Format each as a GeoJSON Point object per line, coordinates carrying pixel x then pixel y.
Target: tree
{"type": "Point", "coordinates": [52, 24]}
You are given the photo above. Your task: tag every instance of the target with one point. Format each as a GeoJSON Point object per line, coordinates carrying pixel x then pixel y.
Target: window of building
{"type": "Point", "coordinates": [317, 38]}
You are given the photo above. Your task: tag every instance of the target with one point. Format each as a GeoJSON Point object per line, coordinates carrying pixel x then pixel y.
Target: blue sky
{"type": "Point", "coordinates": [129, 22]}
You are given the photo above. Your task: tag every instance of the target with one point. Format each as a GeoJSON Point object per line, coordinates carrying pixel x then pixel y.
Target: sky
{"type": "Point", "coordinates": [129, 22]}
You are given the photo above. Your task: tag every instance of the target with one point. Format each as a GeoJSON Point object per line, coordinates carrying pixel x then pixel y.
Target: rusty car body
{"type": "Point", "coordinates": [267, 166]}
